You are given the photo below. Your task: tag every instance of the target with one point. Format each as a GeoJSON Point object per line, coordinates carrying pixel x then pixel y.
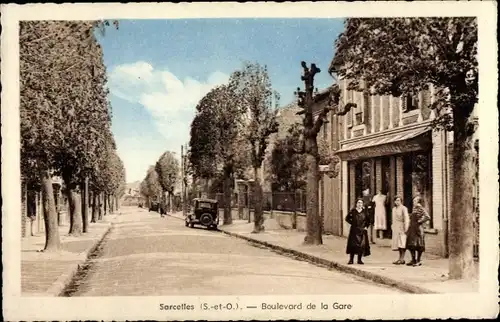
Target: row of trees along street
{"type": "Point", "coordinates": [160, 180]}
{"type": "Point", "coordinates": [66, 122]}
{"type": "Point", "coordinates": [396, 56]}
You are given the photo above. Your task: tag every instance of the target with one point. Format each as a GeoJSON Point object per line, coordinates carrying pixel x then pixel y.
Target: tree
{"type": "Point", "coordinates": [54, 54]}
{"type": "Point", "coordinates": [287, 164]}
{"type": "Point", "coordinates": [218, 125]}
{"type": "Point", "coordinates": [254, 93]}
{"type": "Point", "coordinates": [311, 127]}
{"type": "Point", "coordinates": [168, 169]}
{"type": "Point", "coordinates": [202, 144]}
{"type": "Point", "coordinates": [152, 183]}
{"type": "Point", "coordinates": [402, 56]}
{"type": "Point", "coordinates": [62, 120]}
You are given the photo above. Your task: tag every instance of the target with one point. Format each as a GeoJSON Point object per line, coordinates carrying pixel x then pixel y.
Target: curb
{"type": "Point", "coordinates": [176, 217]}
{"type": "Point", "coordinates": [405, 287]}
{"type": "Point", "coordinates": [64, 280]}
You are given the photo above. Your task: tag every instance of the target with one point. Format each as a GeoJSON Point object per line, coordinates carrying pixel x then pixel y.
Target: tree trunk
{"type": "Point", "coordinates": [313, 236]}
{"type": "Point", "coordinates": [75, 218]}
{"type": "Point", "coordinates": [99, 206]}
{"type": "Point", "coordinates": [85, 205]}
{"type": "Point", "coordinates": [228, 218]}
{"type": "Point", "coordinates": [294, 214]}
{"type": "Point", "coordinates": [461, 261]}
{"type": "Point", "coordinates": [104, 198]}
{"type": "Point", "coordinates": [56, 202]}
{"type": "Point", "coordinates": [110, 204]}
{"type": "Point", "coordinates": [52, 240]}
{"type": "Point", "coordinates": [169, 196]}
{"type": "Point", "coordinates": [258, 213]}
{"type": "Point", "coordinates": [94, 208]}
{"type": "Point", "coordinates": [117, 203]}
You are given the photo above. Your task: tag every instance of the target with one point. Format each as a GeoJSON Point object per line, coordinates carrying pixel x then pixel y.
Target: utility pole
{"type": "Point", "coordinates": [184, 181]}
{"type": "Point", "coordinates": [183, 188]}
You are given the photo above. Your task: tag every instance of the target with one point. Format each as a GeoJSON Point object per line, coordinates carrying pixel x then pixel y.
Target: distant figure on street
{"type": "Point", "coordinates": [357, 242]}
{"type": "Point", "coordinates": [415, 240]}
{"type": "Point", "coordinates": [380, 220]}
{"type": "Point", "coordinates": [400, 224]}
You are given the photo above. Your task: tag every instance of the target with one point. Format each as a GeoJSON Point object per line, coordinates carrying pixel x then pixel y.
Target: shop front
{"type": "Point", "coordinates": [400, 162]}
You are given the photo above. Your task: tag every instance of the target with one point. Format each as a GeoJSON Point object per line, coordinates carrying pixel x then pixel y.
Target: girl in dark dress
{"type": "Point", "coordinates": [415, 241]}
{"type": "Point", "coordinates": [357, 242]}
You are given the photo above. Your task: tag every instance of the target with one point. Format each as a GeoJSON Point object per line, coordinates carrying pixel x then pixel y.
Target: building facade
{"type": "Point", "coordinates": [387, 144]}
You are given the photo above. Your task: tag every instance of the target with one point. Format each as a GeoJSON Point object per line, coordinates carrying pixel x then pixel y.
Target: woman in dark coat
{"type": "Point", "coordinates": [357, 242]}
{"type": "Point", "coordinates": [415, 241]}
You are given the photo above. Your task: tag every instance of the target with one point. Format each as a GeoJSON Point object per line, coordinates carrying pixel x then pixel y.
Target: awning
{"type": "Point", "coordinates": [406, 141]}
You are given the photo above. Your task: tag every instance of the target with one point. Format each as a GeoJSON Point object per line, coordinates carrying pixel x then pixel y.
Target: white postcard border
{"type": "Point", "coordinates": [481, 304]}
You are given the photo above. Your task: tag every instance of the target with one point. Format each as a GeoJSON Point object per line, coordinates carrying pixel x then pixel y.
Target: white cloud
{"type": "Point", "coordinates": [170, 101]}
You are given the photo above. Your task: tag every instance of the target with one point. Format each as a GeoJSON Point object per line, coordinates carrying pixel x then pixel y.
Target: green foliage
{"type": "Point", "coordinates": [253, 92]}
{"type": "Point", "coordinates": [168, 169]}
{"type": "Point", "coordinates": [65, 114]}
{"type": "Point", "coordinates": [216, 140]}
{"type": "Point", "coordinates": [150, 187]}
{"type": "Point", "coordinates": [288, 167]}
{"type": "Point", "coordinates": [202, 154]}
{"type": "Point", "coordinates": [400, 56]}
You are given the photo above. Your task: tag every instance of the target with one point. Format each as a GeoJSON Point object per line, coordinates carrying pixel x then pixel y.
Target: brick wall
{"type": "Point", "coordinates": [352, 187]}
{"type": "Point", "coordinates": [378, 176]}
{"type": "Point", "coordinates": [437, 180]}
{"type": "Point", "coordinates": [399, 176]}
{"type": "Point", "coordinates": [434, 244]}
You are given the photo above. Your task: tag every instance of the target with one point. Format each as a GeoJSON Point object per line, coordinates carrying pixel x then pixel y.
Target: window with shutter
{"type": "Point", "coordinates": [410, 103]}
{"type": "Point", "coordinates": [351, 112]}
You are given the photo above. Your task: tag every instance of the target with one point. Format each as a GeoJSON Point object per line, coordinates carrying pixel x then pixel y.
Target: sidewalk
{"type": "Point", "coordinates": [431, 277]}
{"type": "Point", "coordinates": [46, 274]}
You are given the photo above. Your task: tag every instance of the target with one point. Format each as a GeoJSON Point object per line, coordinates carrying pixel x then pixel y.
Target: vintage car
{"type": "Point", "coordinates": [203, 212]}
{"type": "Point", "coordinates": [154, 206]}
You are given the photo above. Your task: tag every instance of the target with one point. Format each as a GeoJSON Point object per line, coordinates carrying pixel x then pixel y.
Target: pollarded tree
{"type": "Point", "coordinates": [168, 169]}
{"type": "Point", "coordinates": [254, 93]}
{"type": "Point", "coordinates": [311, 127]}
{"type": "Point", "coordinates": [402, 56]}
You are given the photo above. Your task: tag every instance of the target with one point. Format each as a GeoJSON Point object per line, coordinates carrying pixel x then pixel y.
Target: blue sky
{"type": "Point", "coordinates": [158, 70]}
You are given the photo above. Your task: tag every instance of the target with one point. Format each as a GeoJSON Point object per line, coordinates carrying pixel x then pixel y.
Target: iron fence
{"type": "Point", "coordinates": [271, 201]}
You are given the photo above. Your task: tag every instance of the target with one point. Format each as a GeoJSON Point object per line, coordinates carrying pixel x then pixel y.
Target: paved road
{"type": "Point", "coordinates": [148, 255]}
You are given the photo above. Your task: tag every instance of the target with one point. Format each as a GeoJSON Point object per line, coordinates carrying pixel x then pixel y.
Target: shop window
{"type": "Point", "coordinates": [417, 181]}
{"type": "Point", "coordinates": [363, 177]}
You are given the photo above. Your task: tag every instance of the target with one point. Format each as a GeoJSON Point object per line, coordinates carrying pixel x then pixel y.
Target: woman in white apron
{"type": "Point", "coordinates": [380, 220]}
{"type": "Point", "coordinates": [400, 224]}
